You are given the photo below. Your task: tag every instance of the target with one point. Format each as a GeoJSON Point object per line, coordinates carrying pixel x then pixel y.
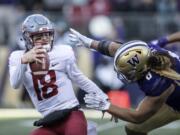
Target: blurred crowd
{"type": "Point", "coordinates": [119, 20]}
{"type": "Point", "coordinates": [97, 6]}
{"type": "Point", "coordinates": [78, 13]}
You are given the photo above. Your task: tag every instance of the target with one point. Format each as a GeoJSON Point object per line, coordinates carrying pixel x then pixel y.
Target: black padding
{"type": "Point", "coordinates": [103, 47]}
{"type": "Point", "coordinates": [54, 117]}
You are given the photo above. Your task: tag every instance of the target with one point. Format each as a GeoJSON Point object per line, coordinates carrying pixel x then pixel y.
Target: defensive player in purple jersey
{"type": "Point", "coordinates": [156, 70]}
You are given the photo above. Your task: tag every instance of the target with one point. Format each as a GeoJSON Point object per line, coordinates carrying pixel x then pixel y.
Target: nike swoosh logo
{"type": "Point", "coordinates": [54, 64]}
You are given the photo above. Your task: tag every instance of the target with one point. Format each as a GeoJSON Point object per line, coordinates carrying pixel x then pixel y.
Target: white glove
{"type": "Point", "coordinates": [77, 39]}
{"type": "Point", "coordinates": [96, 101]}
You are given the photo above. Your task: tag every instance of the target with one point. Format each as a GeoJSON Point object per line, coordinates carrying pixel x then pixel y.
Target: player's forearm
{"type": "Point", "coordinates": [17, 75]}
{"type": "Point", "coordinates": [87, 85]}
{"type": "Point", "coordinates": [163, 41]}
{"type": "Point", "coordinates": [173, 37]}
{"type": "Point", "coordinates": [128, 114]}
{"type": "Point", "coordinates": [90, 87]}
{"type": "Point", "coordinates": [81, 80]}
{"type": "Point", "coordinates": [94, 45]}
{"type": "Point", "coordinates": [147, 108]}
{"type": "Point", "coordinates": [105, 47]}
{"type": "Point", "coordinates": [17, 71]}
{"type": "Point", "coordinates": [24, 60]}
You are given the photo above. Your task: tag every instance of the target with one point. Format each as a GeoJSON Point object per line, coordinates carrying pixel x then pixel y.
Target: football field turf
{"type": "Point", "coordinates": [21, 124]}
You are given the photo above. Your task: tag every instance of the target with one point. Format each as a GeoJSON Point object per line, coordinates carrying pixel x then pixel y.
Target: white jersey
{"type": "Point", "coordinates": [54, 91]}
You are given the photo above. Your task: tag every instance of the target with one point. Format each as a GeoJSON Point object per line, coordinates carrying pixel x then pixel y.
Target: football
{"type": "Point", "coordinates": [40, 68]}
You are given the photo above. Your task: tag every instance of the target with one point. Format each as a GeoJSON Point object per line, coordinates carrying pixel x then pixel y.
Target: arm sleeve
{"type": "Point", "coordinates": [81, 80]}
{"type": "Point", "coordinates": [16, 69]}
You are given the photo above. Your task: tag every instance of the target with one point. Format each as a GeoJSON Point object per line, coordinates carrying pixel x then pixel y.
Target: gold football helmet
{"type": "Point", "coordinates": [131, 60]}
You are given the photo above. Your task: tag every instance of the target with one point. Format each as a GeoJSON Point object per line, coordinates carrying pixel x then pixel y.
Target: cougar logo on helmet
{"type": "Point", "coordinates": [131, 59]}
{"type": "Point", "coordinates": [37, 24]}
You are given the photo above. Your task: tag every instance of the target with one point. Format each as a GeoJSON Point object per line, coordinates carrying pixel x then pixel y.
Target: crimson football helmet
{"type": "Point", "coordinates": [34, 27]}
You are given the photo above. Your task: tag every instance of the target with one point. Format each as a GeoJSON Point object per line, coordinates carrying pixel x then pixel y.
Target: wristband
{"type": "Point", "coordinates": [103, 47]}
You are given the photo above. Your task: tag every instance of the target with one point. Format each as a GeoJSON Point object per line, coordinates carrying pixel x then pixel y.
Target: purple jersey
{"type": "Point", "coordinates": [154, 85]}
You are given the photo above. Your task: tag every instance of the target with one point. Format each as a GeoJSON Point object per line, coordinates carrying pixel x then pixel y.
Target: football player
{"type": "Point", "coordinates": [156, 70]}
{"type": "Point", "coordinates": [52, 93]}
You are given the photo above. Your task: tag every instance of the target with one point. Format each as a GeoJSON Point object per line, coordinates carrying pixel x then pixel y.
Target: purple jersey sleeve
{"type": "Point", "coordinates": [153, 84]}
{"type": "Point", "coordinates": [157, 48]}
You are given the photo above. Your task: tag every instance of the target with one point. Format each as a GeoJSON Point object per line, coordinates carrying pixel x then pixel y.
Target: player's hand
{"type": "Point", "coordinates": [95, 101]}
{"type": "Point", "coordinates": [163, 41]}
{"type": "Point", "coordinates": [78, 39]}
{"type": "Point", "coordinates": [34, 54]}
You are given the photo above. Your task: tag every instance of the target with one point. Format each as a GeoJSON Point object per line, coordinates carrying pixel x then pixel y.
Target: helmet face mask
{"type": "Point", "coordinates": [37, 29]}
{"type": "Point", "coordinates": [123, 78]}
{"type": "Point", "coordinates": [130, 61]}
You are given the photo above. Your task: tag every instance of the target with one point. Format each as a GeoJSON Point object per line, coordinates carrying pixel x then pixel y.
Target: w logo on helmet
{"type": "Point", "coordinates": [133, 61]}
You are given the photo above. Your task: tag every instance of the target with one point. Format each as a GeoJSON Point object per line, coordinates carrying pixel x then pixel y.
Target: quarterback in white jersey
{"type": "Point", "coordinates": [52, 94]}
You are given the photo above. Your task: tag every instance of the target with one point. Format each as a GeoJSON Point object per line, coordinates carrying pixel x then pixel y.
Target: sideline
{"type": "Point", "coordinates": [32, 113]}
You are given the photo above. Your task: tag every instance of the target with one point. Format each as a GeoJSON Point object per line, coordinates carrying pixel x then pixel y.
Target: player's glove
{"type": "Point", "coordinates": [159, 42]}
{"type": "Point", "coordinates": [77, 39]}
{"type": "Point", "coordinates": [96, 101]}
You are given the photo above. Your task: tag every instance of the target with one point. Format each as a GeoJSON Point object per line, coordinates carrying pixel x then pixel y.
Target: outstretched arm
{"type": "Point", "coordinates": [148, 107]}
{"type": "Point", "coordinates": [79, 78]}
{"type": "Point", "coordinates": [163, 41]}
{"type": "Point", "coordinates": [105, 47]}
{"type": "Point", "coordinates": [175, 37]}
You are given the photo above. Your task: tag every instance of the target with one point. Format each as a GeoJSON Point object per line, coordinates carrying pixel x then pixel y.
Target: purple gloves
{"type": "Point", "coordinates": [161, 42]}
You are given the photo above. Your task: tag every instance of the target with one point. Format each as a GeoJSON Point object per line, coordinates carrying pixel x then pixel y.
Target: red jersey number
{"type": "Point", "coordinates": [45, 88]}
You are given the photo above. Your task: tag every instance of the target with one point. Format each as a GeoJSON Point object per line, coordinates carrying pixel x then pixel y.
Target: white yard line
{"type": "Point", "coordinates": [25, 113]}
{"type": "Point", "coordinates": [18, 113]}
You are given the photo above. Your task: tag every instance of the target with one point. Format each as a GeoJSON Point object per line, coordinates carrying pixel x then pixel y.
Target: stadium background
{"type": "Point", "coordinates": [119, 20]}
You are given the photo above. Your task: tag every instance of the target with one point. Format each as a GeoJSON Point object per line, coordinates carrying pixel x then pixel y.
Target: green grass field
{"type": "Point", "coordinates": [19, 124]}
